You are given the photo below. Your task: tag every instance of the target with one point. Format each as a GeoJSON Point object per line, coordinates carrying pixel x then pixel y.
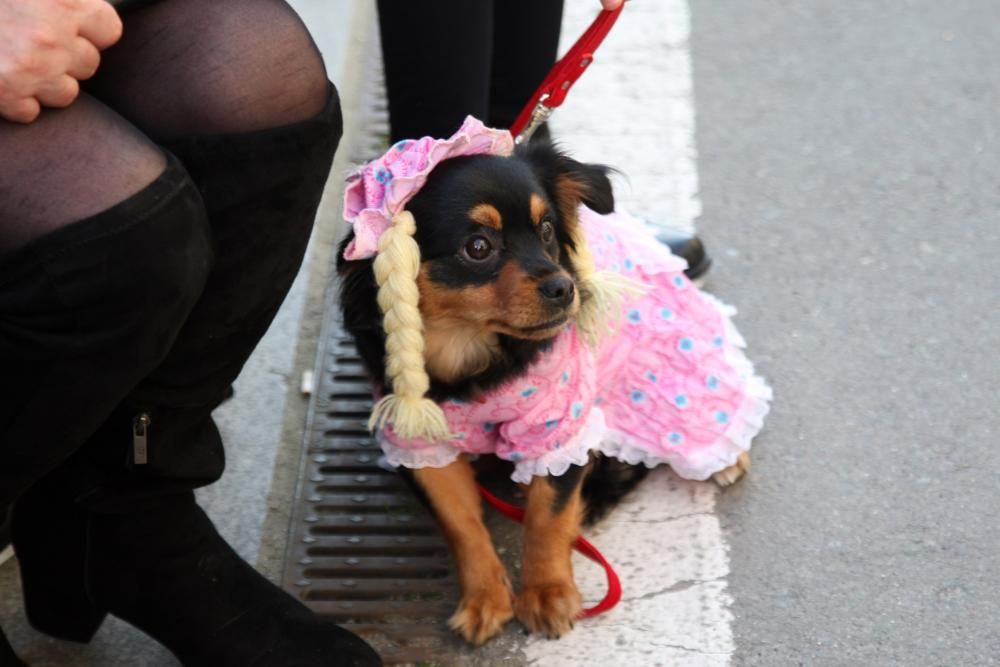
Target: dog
{"type": "Point", "coordinates": [498, 283]}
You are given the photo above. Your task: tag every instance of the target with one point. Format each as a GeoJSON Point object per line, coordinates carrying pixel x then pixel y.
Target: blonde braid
{"type": "Point", "coordinates": [601, 292]}
{"type": "Point", "coordinates": [396, 266]}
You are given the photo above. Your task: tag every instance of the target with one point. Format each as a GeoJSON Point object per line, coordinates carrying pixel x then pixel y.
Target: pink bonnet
{"type": "Point", "coordinates": [380, 189]}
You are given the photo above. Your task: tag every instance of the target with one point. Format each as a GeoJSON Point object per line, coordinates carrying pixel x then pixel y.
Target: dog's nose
{"type": "Point", "coordinates": [558, 290]}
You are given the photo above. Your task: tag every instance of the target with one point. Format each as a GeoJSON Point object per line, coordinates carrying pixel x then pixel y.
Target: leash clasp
{"type": "Point", "coordinates": [539, 115]}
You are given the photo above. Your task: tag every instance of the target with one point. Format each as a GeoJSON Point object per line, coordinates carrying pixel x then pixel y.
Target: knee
{"type": "Point", "coordinates": [280, 68]}
{"type": "Point", "coordinates": [302, 76]}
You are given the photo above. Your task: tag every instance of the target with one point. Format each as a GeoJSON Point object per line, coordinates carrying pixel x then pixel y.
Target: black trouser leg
{"type": "Point", "coordinates": [482, 58]}
{"type": "Point", "coordinates": [432, 88]}
{"type": "Point", "coordinates": [525, 45]}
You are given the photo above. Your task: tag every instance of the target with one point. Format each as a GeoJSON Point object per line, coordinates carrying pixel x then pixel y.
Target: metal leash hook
{"type": "Point", "coordinates": [539, 115]}
{"type": "Point", "coordinates": [552, 91]}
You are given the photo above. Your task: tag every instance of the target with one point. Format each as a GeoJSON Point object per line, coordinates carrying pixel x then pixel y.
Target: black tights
{"type": "Point", "coordinates": [445, 59]}
{"type": "Point", "coordinates": [183, 67]}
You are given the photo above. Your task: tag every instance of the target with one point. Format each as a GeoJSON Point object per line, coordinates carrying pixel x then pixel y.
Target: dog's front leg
{"type": "Point", "coordinates": [486, 593]}
{"type": "Point", "coordinates": [549, 601]}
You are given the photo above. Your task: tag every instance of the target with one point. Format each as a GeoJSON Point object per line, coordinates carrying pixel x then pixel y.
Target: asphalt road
{"type": "Point", "coordinates": [850, 175]}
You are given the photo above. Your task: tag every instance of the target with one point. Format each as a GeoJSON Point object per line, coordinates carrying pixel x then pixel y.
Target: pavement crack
{"type": "Point", "coordinates": [676, 587]}
{"type": "Point", "coordinates": [688, 649]}
{"type": "Point", "coordinates": [668, 519]}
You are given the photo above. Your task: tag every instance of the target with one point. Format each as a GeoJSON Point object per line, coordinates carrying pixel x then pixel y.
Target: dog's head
{"type": "Point", "coordinates": [495, 237]}
{"type": "Point", "coordinates": [496, 245]}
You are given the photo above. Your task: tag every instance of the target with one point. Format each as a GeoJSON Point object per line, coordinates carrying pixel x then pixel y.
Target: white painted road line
{"type": "Point", "coordinates": [634, 111]}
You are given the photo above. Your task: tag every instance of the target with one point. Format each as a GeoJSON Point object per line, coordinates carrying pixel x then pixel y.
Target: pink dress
{"type": "Point", "coordinates": [671, 385]}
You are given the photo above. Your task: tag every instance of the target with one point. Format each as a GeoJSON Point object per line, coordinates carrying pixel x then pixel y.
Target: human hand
{"type": "Point", "coordinates": [46, 48]}
{"type": "Point", "coordinates": [611, 4]}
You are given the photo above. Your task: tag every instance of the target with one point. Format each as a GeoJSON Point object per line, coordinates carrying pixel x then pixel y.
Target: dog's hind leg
{"type": "Point", "coordinates": [734, 473]}
{"type": "Point", "coordinates": [549, 601]}
{"type": "Point", "coordinates": [486, 594]}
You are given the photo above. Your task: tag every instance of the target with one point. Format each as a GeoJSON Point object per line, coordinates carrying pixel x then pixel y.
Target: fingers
{"type": "Point", "coordinates": [611, 4]}
{"type": "Point", "coordinates": [100, 24]}
{"type": "Point", "coordinates": [58, 92]}
{"type": "Point", "coordinates": [21, 111]}
{"type": "Point", "coordinates": [84, 59]}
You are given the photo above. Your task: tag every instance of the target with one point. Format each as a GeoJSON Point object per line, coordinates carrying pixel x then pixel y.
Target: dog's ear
{"type": "Point", "coordinates": [568, 182]}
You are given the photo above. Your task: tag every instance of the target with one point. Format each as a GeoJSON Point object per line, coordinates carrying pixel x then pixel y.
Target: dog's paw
{"type": "Point", "coordinates": [549, 608]}
{"type": "Point", "coordinates": [482, 613]}
{"type": "Point", "coordinates": [733, 473]}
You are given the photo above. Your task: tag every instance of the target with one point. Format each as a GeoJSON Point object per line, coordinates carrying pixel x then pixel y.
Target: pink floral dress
{"type": "Point", "coordinates": [671, 385]}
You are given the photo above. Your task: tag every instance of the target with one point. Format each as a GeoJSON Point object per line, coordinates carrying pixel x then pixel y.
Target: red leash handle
{"type": "Point", "coordinates": [614, 593]}
{"type": "Point", "coordinates": [552, 92]}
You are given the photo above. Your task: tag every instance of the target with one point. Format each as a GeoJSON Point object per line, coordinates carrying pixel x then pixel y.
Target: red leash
{"type": "Point", "coordinates": [552, 92]}
{"type": "Point", "coordinates": [614, 593]}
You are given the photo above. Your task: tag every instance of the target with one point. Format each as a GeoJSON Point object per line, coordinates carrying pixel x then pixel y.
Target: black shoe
{"type": "Point", "coordinates": [689, 247]}
{"type": "Point", "coordinates": [164, 568]}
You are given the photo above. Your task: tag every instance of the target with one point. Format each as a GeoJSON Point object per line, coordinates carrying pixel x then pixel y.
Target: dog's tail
{"type": "Point", "coordinates": [609, 481]}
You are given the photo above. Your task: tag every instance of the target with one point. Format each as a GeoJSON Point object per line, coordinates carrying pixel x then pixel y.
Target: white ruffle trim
{"type": "Point", "coordinates": [556, 462]}
{"type": "Point", "coordinates": [432, 456]}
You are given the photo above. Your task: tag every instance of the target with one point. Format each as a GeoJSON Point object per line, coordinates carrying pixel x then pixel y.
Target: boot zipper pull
{"type": "Point", "coordinates": [140, 426]}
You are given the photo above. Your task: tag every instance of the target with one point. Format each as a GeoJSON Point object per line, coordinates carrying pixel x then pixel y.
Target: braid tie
{"type": "Point", "coordinates": [602, 293]}
{"type": "Point", "coordinates": [396, 267]}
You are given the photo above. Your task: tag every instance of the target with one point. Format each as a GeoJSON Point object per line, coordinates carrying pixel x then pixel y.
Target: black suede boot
{"type": "Point", "coordinates": [163, 567]}
{"type": "Point", "coordinates": [122, 531]}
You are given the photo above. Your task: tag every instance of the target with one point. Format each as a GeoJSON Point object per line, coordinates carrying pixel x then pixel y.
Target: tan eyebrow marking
{"type": "Point", "coordinates": [538, 208]}
{"type": "Point", "coordinates": [486, 214]}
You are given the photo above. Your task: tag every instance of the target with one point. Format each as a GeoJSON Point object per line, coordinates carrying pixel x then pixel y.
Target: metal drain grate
{"type": "Point", "coordinates": [365, 552]}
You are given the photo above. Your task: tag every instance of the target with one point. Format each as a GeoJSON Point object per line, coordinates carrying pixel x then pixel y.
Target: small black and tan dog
{"type": "Point", "coordinates": [496, 286]}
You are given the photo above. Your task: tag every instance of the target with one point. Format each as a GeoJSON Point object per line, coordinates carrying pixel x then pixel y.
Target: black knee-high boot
{"type": "Point", "coordinates": [85, 313]}
{"type": "Point", "coordinates": [123, 504]}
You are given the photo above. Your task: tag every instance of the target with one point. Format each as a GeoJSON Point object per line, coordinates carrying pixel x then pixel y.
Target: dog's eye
{"type": "Point", "coordinates": [478, 248]}
{"type": "Point", "coordinates": [547, 231]}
